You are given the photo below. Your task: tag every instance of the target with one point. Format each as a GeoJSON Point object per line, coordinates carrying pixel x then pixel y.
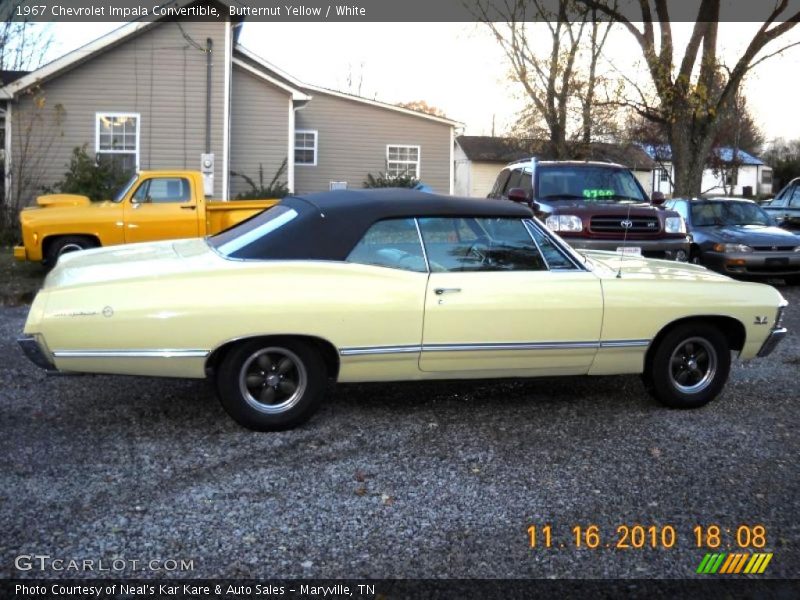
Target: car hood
{"type": "Point", "coordinates": [752, 235]}
{"type": "Point", "coordinates": [608, 265]}
{"type": "Point", "coordinates": [579, 207]}
{"type": "Point", "coordinates": [131, 261]}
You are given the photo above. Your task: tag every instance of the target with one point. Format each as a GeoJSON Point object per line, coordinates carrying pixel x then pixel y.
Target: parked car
{"type": "Point", "coordinates": [785, 206]}
{"type": "Point", "coordinates": [594, 206]}
{"type": "Point", "coordinates": [153, 205]}
{"type": "Point", "coordinates": [390, 285]}
{"type": "Point", "coordinates": [737, 237]}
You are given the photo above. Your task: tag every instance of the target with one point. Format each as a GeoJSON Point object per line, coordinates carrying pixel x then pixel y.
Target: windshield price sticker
{"type": "Point", "coordinates": [593, 193]}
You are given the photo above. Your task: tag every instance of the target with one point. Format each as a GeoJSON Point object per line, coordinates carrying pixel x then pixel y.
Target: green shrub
{"type": "Point", "coordinates": [98, 181]}
{"type": "Point", "coordinates": [384, 180]}
{"type": "Point", "coordinates": [275, 189]}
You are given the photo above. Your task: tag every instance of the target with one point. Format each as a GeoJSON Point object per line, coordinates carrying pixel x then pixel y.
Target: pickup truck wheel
{"type": "Point", "coordinates": [68, 243]}
{"type": "Point", "coordinates": [690, 366]}
{"type": "Point", "coordinates": [271, 385]}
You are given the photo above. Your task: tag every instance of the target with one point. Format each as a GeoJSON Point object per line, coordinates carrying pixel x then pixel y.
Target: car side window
{"type": "Point", "coordinates": [500, 183]}
{"type": "Point", "coordinates": [680, 208]}
{"type": "Point", "coordinates": [163, 190]}
{"type": "Point", "coordinates": [393, 243]}
{"type": "Point", "coordinates": [794, 199]}
{"type": "Point", "coordinates": [514, 181]}
{"type": "Point", "coordinates": [555, 257]}
{"type": "Point", "coordinates": [479, 244]}
{"type": "Point", "coordinates": [780, 200]}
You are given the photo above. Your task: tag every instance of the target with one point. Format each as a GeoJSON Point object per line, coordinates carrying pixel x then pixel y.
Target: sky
{"type": "Point", "coordinates": [460, 68]}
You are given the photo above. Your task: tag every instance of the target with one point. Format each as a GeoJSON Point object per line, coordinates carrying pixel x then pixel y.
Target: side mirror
{"type": "Point", "coordinates": [658, 198]}
{"type": "Point", "coordinates": [518, 195]}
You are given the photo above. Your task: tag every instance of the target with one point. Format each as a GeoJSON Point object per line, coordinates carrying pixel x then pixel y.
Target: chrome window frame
{"type": "Point", "coordinates": [573, 257]}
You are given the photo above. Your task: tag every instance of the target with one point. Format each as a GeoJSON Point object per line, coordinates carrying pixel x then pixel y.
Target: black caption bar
{"type": "Point", "coordinates": [354, 10]}
{"type": "Point", "coordinates": [438, 589]}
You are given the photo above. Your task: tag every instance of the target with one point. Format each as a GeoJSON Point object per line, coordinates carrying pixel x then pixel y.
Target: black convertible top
{"type": "Point", "coordinates": [329, 224]}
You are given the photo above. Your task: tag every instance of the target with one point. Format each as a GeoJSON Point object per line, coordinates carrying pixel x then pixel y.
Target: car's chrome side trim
{"type": "Point", "coordinates": [497, 346]}
{"type": "Point", "coordinates": [362, 350]}
{"type": "Point", "coordinates": [152, 353]}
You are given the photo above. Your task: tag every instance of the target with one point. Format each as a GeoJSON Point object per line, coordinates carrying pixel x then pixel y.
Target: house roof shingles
{"type": "Point", "coordinates": [505, 150]}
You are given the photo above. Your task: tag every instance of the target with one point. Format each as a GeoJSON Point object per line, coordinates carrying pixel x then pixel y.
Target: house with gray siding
{"type": "Point", "coordinates": [184, 94]}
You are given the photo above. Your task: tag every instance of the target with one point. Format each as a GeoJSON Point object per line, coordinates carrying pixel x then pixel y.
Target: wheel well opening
{"type": "Point", "coordinates": [51, 239]}
{"type": "Point", "coordinates": [327, 351]}
{"type": "Point", "coordinates": [731, 328]}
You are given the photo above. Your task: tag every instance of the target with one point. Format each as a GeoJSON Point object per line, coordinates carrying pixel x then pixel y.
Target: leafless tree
{"type": "Point", "coordinates": [23, 45]}
{"type": "Point", "coordinates": [562, 83]}
{"type": "Point", "coordinates": [683, 100]}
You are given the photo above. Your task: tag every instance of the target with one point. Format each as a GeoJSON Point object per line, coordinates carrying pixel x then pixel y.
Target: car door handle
{"type": "Point", "coordinates": [440, 291]}
{"type": "Point", "coordinates": [188, 207]}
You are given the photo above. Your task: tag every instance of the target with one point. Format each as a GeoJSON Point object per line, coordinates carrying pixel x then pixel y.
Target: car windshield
{"type": "Point", "coordinates": [589, 184]}
{"type": "Point", "coordinates": [245, 233]}
{"type": "Point", "coordinates": [710, 214]}
{"type": "Point", "coordinates": [124, 189]}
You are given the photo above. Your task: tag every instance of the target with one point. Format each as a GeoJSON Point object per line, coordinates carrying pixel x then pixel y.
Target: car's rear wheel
{"type": "Point", "coordinates": [690, 366]}
{"type": "Point", "coordinates": [64, 245]}
{"type": "Point", "coordinates": [271, 384]}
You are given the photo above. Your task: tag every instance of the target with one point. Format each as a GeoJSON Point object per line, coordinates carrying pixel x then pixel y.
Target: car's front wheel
{"type": "Point", "coordinates": [690, 365]}
{"type": "Point", "coordinates": [271, 384]}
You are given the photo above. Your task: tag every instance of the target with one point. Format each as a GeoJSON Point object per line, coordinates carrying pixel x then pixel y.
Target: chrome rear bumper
{"type": "Point", "coordinates": [774, 338]}
{"type": "Point", "coordinates": [35, 354]}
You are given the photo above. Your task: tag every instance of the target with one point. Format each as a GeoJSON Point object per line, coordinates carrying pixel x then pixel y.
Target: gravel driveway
{"type": "Point", "coordinates": [396, 481]}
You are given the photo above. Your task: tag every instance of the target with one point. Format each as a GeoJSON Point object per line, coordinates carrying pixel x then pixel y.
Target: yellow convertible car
{"type": "Point", "coordinates": [390, 285]}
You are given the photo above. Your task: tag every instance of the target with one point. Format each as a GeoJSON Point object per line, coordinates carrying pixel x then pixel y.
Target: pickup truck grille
{"type": "Point", "coordinates": [617, 224]}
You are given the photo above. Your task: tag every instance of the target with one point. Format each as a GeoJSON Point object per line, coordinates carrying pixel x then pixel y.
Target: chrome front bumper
{"type": "Point", "coordinates": [35, 354]}
{"type": "Point", "coordinates": [774, 338]}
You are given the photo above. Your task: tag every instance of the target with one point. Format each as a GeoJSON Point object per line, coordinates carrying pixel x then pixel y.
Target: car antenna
{"type": "Point", "coordinates": [626, 225]}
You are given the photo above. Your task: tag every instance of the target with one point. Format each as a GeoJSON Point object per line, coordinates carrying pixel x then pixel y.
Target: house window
{"type": "Point", "coordinates": [732, 178]}
{"type": "Point", "coordinates": [305, 147]}
{"type": "Point", "coordinates": [663, 175]}
{"type": "Point", "coordinates": [402, 160]}
{"type": "Point", "coordinates": [117, 139]}
{"type": "Point", "coordinates": [766, 176]}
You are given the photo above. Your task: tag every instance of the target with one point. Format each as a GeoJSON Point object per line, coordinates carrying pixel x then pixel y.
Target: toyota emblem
{"type": "Point", "coordinates": [627, 224]}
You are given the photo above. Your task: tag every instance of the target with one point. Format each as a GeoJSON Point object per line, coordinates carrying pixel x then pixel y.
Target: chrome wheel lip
{"type": "Point", "coordinates": [681, 353]}
{"type": "Point", "coordinates": [71, 247]}
{"type": "Point", "coordinates": [300, 380]}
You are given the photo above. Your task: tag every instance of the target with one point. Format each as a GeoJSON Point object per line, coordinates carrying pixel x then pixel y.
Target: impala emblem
{"type": "Point", "coordinates": [761, 320]}
{"type": "Point", "coordinates": [774, 248]}
{"type": "Point", "coordinates": [627, 223]}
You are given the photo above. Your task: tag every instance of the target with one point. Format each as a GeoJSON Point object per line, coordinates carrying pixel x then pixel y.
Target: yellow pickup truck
{"type": "Point", "coordinates": [153, 205]}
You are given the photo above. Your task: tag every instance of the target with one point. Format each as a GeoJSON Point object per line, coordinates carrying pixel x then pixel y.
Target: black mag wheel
{"type": "Point", "coordinates": [690, 365]}
{"type": "Point", "coordinates": [693, 365]}
{"type": "Point", "coordinates": [271, 385]}
{"type": "Point", "coordinates": [273, 379]}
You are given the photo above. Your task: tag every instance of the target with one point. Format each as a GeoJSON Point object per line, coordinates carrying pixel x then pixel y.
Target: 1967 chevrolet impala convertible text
{"type": "Point", "coordinates": [391, 285]}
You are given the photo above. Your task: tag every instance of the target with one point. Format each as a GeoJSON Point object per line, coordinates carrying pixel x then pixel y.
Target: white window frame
{"type": "Point", "coordinates": [417, 162]}
{"type": "Point", "coordinates": [112, 114]}
{"type": "Point", "coordinates": [315, 133]}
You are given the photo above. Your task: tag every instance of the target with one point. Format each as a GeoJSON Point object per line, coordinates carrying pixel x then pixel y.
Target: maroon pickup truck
{"type": "Point", "coordinates": [595, 206]}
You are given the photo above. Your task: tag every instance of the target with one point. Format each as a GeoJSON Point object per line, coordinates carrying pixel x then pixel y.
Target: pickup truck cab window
{"type": "Point", "coordinates": [479, 244]}
{"type": "Point", "coordinates": [393, 243]}
{"type": "Point", "coordinates": [123, 191]}
{"type": "Point", "coordinates": [163, 189]}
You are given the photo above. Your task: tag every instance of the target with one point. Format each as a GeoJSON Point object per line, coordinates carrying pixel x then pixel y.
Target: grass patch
{"type": "Point", "coordinates": [19, 281]}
